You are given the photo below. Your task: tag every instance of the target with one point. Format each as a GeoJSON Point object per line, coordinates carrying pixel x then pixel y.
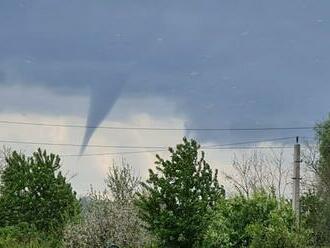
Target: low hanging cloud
{"type": "Point", "coordinates": [224, 63]}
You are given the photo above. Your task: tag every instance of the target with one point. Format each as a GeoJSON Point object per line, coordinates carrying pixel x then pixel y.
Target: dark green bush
{"type": "Point", "coordinates": [24, 235]}
{"type": "Point", "coordinates": [258, 221]}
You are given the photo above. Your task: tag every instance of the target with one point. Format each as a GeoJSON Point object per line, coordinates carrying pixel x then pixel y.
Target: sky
{"type": "Point", "coordinates": [174, 64]}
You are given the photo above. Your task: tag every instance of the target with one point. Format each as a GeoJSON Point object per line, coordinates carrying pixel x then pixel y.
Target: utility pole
{"type": "Point", "coordinates": [296, 179]}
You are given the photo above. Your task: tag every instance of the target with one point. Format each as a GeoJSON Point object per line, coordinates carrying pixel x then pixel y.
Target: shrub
{"type": "Point", "coordinates": [110, 217]}
{"type": "Point", "coordinates": [316, 212]}
{"type": "Point", "coordinates": [105, 221]}
{"type": "Point", "coordinates": [258, 221]}
{"type": "Point", "coordinates": [24, 235]}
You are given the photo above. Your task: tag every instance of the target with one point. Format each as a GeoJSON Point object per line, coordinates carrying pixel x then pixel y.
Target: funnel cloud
{"type": "Point", "coordinates": [102, 99]}
{"type": "Point", "coordinates": [223, 63]}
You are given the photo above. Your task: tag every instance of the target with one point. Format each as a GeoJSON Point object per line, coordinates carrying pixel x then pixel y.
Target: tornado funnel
{"type": "Point", "coordinates": [102, 98]}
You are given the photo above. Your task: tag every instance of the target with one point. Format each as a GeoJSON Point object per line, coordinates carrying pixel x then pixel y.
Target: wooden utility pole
{"type": "Point", "coordinates": [296, 179]}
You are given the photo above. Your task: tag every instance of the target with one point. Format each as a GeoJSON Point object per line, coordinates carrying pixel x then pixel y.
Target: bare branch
{"type": "Point", "coordinates": [258, 171]}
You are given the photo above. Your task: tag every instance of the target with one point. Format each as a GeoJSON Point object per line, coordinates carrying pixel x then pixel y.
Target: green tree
{"type": "Point", "coordinates": [180, 196]}
{"type": "Point", "coordinates": [316, 202]}
{"type": "Point", "coordinates": [323, 137]}
{"type": "Point", "coordinates": [34, 191]}
{"type": "Point", "coordinates": [261, 220]}
{"type": "Point", "coordinates": [315, 211]}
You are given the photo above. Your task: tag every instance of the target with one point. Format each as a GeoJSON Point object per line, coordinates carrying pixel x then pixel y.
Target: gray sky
{"type": "Point", "coordinates": [211, 63]}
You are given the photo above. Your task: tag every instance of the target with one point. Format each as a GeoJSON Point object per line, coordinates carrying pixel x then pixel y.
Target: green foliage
{"type": "Point", "coordinates": [258, 221]}
{"type": "Point", "coordinates": [319, 209]}
{"type": "Point", "coordinates": [22, 233]}
{"type": "Point", "coordinates": [180, 196]}
{"type": "Point", "coordinates": [33, 191]}
{"type": "Point", "coordinates": [26, 236]}
{"type": "Point", "coordinates": [316, 211]}
{"type": "Point", "coordinates": [279, 231]}
{"type": "Point", "coordinates": [323, 136]}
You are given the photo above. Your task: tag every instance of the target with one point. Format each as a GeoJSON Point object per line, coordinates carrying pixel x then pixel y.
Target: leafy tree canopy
{"type": "Point", "coordinates": [316, 202]}
{"type": "Point", "coordinates": [179, 196]}
{"type": "Point", "coordinates": [34, 191]}
{"type": "Point", "coordinates": [323, 136]}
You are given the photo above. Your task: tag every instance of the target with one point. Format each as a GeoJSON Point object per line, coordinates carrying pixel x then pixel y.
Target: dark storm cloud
{"type": "Point", "coordinates": [224, 63]}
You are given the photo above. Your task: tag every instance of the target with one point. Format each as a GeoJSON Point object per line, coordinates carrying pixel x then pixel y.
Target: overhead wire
{"type": "Point", "coordinates": [134, 147]}
{"type": "Point", "coordinates": [228, 146]}
{"type": "Point", "coordinates": [163, 150]}
{"type": "Point", "coordinates": [252, 142]}
{"type": "Point", "coordinates": [156, 128]}
{"type": "Point", "coordinates": [79, 145]}
{"type": "Point", "coordinates": [218, 147]}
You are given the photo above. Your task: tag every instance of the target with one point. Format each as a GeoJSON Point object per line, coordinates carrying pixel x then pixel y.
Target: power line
{"type": "Point", "coordinates": [111, 153]}
{"type": "Point", "coordinates": [252, 142]}
{"type": "Point", "coordinates": [248, 147]}
{"type": "Point", "coordinates": [163, 150]}
{"type": "Point", "coordinates": [156, 128]}
{"type": "Point", "coordinates": [228, 146]}
{"type": "Point", "coordinates": [134, 147]}
{"type": "Point", "coordinates": [78, 145]}
{"type": "Point", "coordinates": [215, 147]}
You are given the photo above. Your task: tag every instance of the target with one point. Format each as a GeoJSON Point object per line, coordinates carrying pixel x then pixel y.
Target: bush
{"type": "Point", "coordinates": [111, 217]}
{"type": "Point", "coordinates": [259, 221]}
{"type": "Point", "coordinates": [104, 222]}
{"type": "Point", "coordinates": [316, 212]}
{"type": "Point", "coordinates": [26, 236]}
{"type": "Point", "coordinates": [279, 231]}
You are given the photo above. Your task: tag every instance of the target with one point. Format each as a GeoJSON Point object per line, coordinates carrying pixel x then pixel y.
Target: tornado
{"type": "Point", "coordinates": [103, 96]}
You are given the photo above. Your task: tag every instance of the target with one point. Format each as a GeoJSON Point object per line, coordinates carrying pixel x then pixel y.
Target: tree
{"type": "Point", "coordinates": [180, 196]}
{"type": "Point", "coordinates": [34, 191]}
{"type": "Point", "coordinates": [257, 171]}
{"type": "Point", "coordinates": [323, 137]}
{"type": "Point", "coordinates": [310, 158]}
{"type": "Point", "coordinates": [110, 217]}
{"type": "Point", "coordinates": [316, 211]}
{"type": "Point", "coordinates": [5, 152]}
{"type": "Point", "coordinates": [121, 182]}
{"type": "Point", "coordinates": [261, 220]}
{"type": "Point", "coordinates": [316, 201]}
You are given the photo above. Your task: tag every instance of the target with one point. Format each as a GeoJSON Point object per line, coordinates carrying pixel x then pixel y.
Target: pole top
{"type": "Point", "coordinates": [297, 139]}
